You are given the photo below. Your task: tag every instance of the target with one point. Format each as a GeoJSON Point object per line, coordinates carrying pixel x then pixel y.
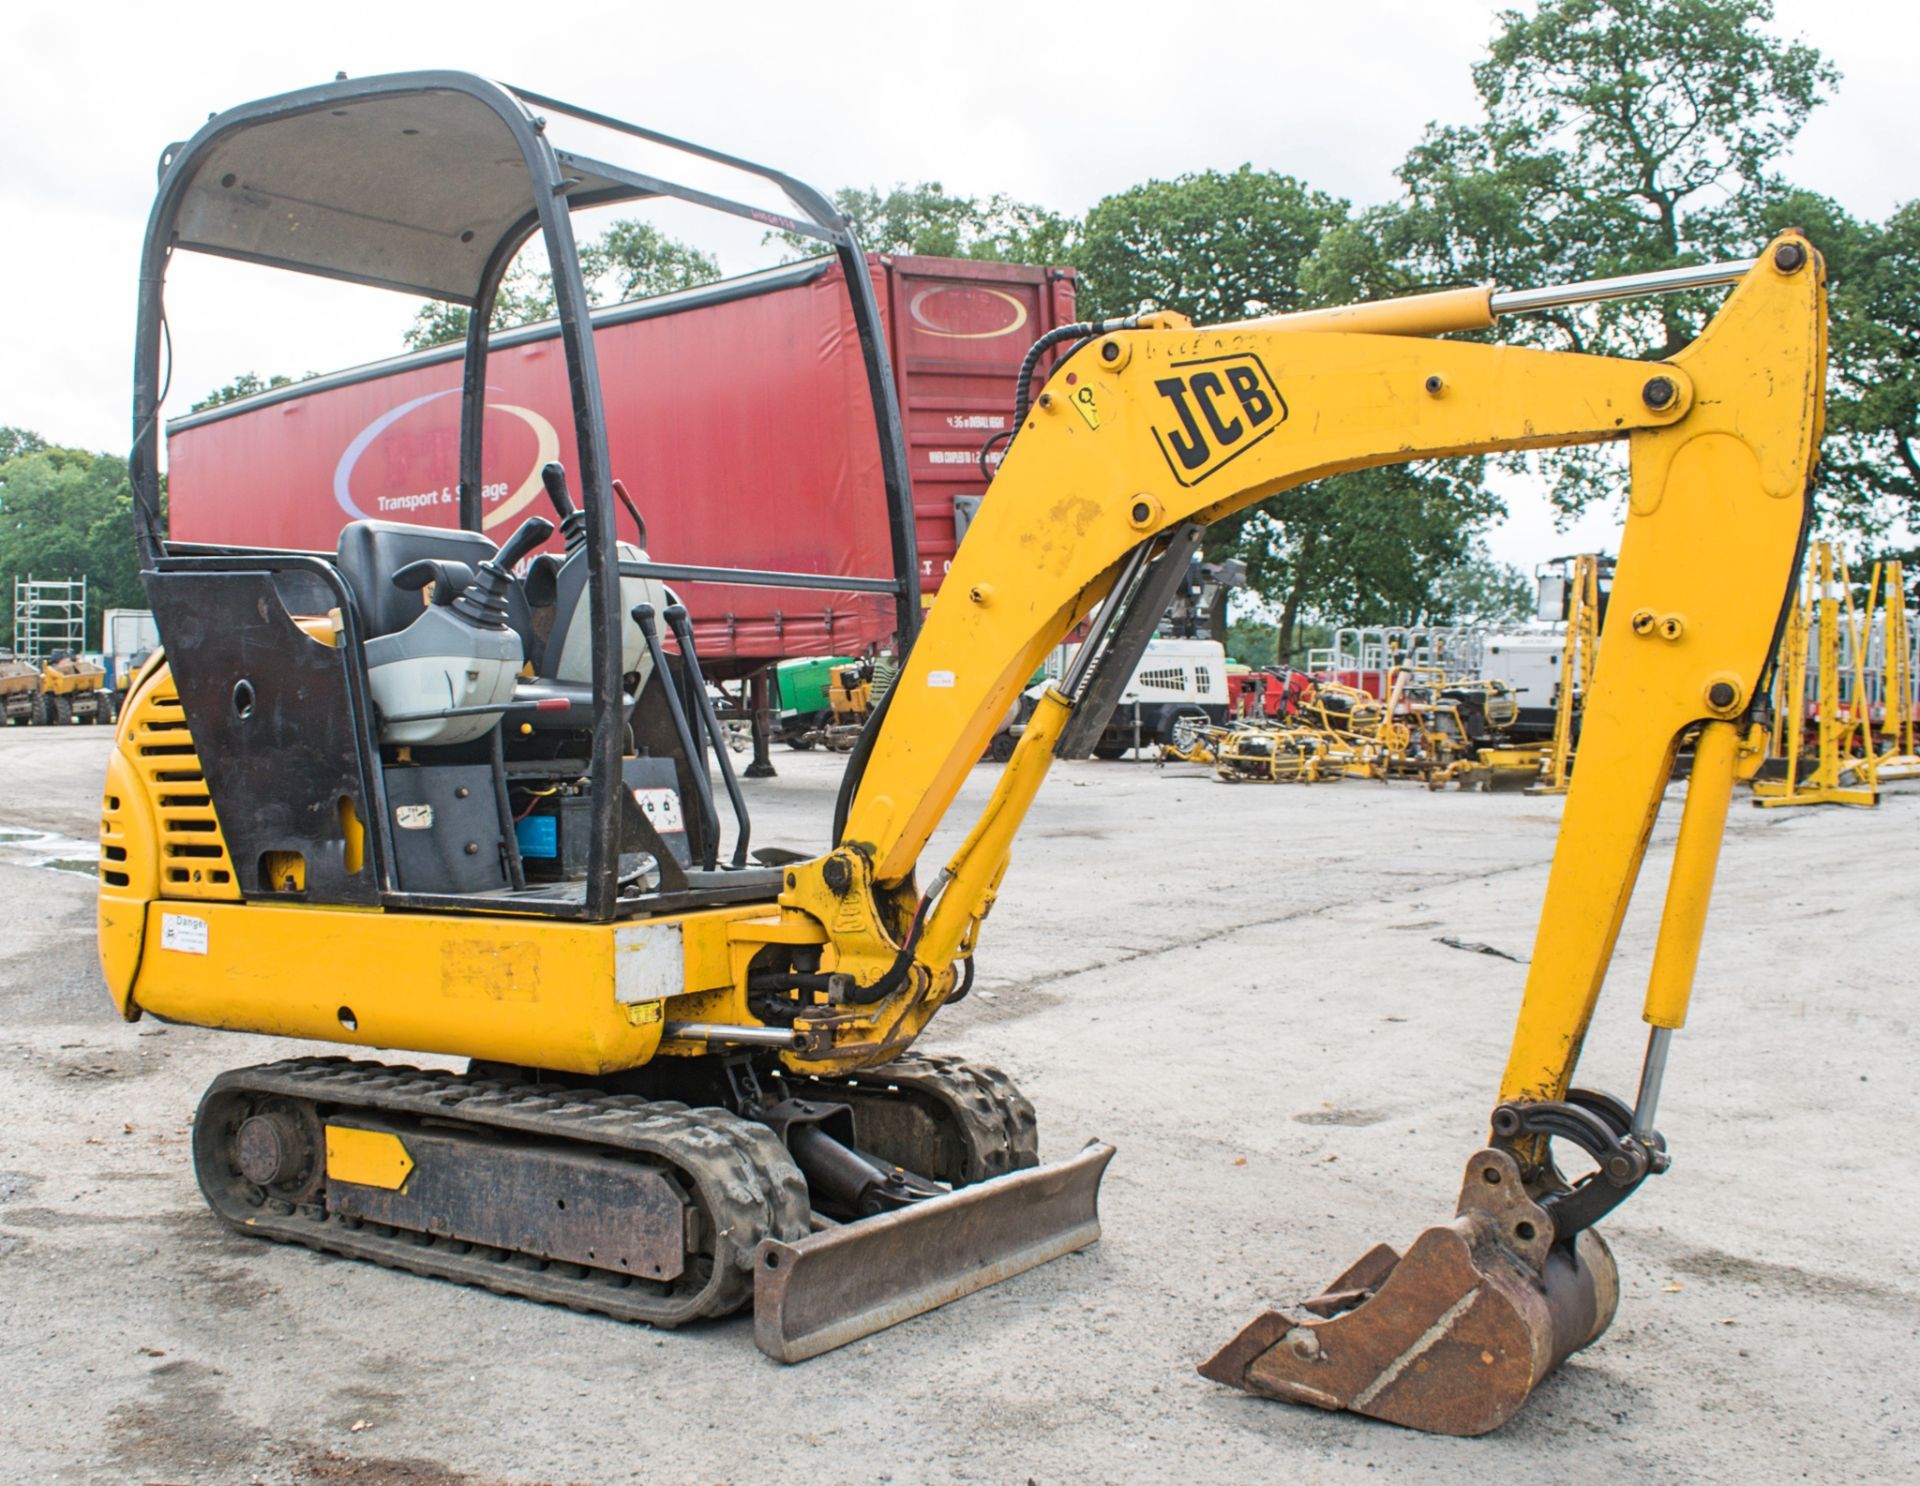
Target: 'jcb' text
{"type": "Point", "coordinates": [1216, 409]}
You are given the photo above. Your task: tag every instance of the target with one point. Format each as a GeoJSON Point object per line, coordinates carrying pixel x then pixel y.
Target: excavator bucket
{"type": "Point", "coordinates": [850, 1280]}
{"type": "Point", "coordinates": [1451, 1337]}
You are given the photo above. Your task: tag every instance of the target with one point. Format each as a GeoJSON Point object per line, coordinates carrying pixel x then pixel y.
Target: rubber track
{"type": "Point", "coordinates": [997, 1121]}
{"type": "Point", "coordinates": [741, 1176]}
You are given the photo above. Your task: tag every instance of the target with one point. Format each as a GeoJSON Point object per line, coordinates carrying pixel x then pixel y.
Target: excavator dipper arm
{"type": "Point", "coordinates": [1149, 428]}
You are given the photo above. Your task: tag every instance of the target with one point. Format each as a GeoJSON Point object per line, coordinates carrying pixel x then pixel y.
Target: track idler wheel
{"type": "Point", "coordinates": [1451, 1337]}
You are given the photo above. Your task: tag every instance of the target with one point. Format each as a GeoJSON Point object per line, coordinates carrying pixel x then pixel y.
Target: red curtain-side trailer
{"type": "Point", "coordinates": [737, 417]}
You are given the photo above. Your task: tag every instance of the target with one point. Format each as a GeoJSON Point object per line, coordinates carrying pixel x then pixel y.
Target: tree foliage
{"type": "Point", "coordinates": [1220, 246]}
{"type": "Point", "coordinates": [17, 441]}
{"type": "Point", "coordinates": [65, 513]}
{"type": "Point", "coordinates": [630, 260]}
{"type": "Point", "coordinates": [1211, 246]}
{"type": "Point", "coordinates": [1618, 136]}
{"type": "Point", "coordinates": [1369, 547]}
{"type": "Point", "coordinates": [636, 260]}
{"type": "Point", "coordinates": [244, 385]}
{"type": "Point", "coordinates": [1870, 460]}
{"type": "Point", "coordinates": [928, 220]}
{"type": "Point", "coordinates": [1478, 588]}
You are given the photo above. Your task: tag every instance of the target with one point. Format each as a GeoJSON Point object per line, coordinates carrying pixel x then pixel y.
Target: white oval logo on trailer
{"type": "Point", "coordinates": [547, 449]}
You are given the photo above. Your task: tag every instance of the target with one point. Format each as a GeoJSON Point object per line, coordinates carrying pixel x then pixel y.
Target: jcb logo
{"type": "Point", "coordinates": [1217, 408]}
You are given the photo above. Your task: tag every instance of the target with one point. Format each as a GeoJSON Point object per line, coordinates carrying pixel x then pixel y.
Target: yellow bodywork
{"type": "Point", "coordinates": [70, 678]}
{"type": "Point", "coordinates": [1143, 431]}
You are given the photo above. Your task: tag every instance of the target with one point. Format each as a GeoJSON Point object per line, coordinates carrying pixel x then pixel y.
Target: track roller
{"type": "Point", "coordinates": [647, 1211]}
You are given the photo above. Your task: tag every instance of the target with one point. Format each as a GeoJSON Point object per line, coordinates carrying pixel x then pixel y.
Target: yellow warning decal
{"type": "Point", "coordinates": [367, 1158]}
{"type": "Point", "coordinates": [1085, 404]}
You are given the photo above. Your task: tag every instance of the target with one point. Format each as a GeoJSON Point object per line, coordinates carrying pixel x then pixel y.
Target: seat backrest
{"type": "Point", "coordinates": [371, 552]}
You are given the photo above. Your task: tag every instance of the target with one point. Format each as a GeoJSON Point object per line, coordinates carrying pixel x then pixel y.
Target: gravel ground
{"type": "Point", "coordinates": [1243, 989]}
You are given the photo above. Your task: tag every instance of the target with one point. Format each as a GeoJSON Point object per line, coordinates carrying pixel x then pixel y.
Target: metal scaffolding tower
{"type": "Point", "coordinates": [49, 615]}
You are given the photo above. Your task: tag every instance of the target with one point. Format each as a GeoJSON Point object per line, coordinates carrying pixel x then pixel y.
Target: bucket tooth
{"type": "Point", "coordinates": [850, 1280]}
{"type": "Point", "coordinates": [1450, 1338]}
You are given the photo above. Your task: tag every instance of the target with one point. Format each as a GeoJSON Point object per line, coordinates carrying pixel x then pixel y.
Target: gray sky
{"type": "Point", "coordinates": [1055, 104]}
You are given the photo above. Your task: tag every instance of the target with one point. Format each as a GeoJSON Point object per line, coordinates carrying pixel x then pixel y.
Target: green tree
{"type": "Point", "coordinates": [1357, 548]}
{"type": "Point", "coordinates": [1618, 136]}
{"type": "Point", "coordinates": [524, 295]}
{"type": "Point", "coordinates": [629, 260]}
{"type": "Point", "coordinates": [1363, 548]}
{"type": "Point", "coordinates": [1478, 588]}
{"type": "Point", "coordinates": [1870, 460]}
{"type": "Point", "coordinates": [17, 441]}
{"type": "Point", "coordinates": [634, 260]}
{"type": "Point", "coordinates": [244, 385]}
{"type": "Point", "coordinates": [1251, 640]}
{"type": "Point", "coordinates": [908, 219]}
{"type": "Point", "coordinates": [1211, 246]}
{"type": "Point", "coordinates": [927, 220]}
{"type": "Point", "coordinates": [65, 513]}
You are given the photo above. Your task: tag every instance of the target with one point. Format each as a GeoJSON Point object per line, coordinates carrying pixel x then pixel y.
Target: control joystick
{"type": "Point", "coordinates": [573, 520]}
{"type": "Point", "coordinates": [446, 677]}
{"type": "Point", "coordinates": [484, 601]}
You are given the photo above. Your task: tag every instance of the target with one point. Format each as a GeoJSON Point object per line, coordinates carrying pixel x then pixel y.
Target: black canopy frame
{"type": "Point", "coordinates": [286, 181]}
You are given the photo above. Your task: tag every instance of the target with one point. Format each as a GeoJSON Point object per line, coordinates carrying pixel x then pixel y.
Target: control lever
{"type": "Point", "coordinates": [450, 579]}
{"type": "Point", "coordinates": [696, 755]}
{"type": "Point", "coordinates": [710, 724]}
{"type": "Point", "coordinates": [639, 522]}
{"type": "Point", "coordinates": [484, 601]}
{"type": "Point", "coordinates": [573, 521]}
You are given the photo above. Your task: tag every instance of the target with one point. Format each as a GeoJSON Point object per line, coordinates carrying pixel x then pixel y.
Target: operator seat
{"type": "Point", "coordinates": [371, 552]}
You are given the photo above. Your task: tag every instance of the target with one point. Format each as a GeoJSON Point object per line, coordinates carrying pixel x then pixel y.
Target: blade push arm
{"type": "Point", "coordinates": [1147, 429]}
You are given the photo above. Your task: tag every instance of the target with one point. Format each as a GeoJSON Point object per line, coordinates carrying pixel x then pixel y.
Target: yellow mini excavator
{"type": "Point", "coordinates": [431, 793]}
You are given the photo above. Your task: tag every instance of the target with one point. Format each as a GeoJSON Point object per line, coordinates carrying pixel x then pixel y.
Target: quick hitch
{"type": "Point", "coordinates": [1626, 1150]}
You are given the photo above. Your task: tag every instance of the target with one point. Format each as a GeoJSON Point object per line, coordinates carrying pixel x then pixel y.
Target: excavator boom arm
{"type": "Point", "coordinates": [1148, 430]}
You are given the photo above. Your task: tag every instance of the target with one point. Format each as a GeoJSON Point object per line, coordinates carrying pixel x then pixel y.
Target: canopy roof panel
{"type": "Point", "coordinates": [409, 190]}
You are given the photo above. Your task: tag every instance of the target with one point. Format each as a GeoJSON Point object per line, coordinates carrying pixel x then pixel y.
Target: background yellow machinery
{"type": "Point", "coordinates": [1895, 757]}
{"type": "Point", "coordinates": [1842, 772]}
{"type": "Point", "coordinates": [1578, 653]}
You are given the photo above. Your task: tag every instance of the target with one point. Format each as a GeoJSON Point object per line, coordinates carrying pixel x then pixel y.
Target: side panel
{"type": "Point", "coordinates": [503, 989]}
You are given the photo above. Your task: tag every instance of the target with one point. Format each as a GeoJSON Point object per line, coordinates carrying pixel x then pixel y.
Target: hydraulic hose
{"type": "Point", "coordinates": [857, 763]}
{"type": "Point", "coordinates": [1082, 331]}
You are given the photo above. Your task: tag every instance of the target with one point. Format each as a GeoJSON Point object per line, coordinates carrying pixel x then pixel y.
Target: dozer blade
{"type": "Point", "coordinates": [1453, 1336]}
{"type": "Point", "coordinates": [847, 1282]}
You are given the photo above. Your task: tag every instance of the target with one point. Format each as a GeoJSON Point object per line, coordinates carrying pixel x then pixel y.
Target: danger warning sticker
{"type": "Point", "coordinates": [183, 933]}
